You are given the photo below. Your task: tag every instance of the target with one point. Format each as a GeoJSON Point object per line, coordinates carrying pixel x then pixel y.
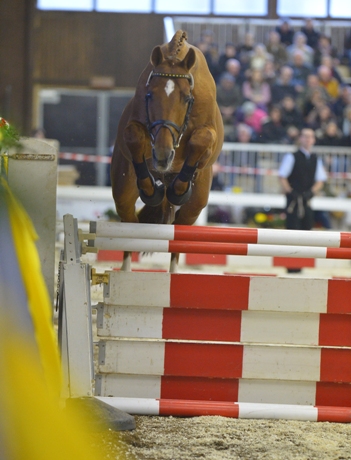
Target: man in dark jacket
{"type": "Point", "coordinates": [301, 175]}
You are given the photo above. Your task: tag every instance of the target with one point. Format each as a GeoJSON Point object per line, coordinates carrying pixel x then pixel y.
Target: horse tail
{"type": "Point", "coordinates": [162, 214]}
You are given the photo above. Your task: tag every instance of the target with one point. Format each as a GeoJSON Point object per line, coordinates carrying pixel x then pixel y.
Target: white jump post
{"type": "Point", "coordinates": [32, 177]}
{"type": "Point", "coordinates": [75, 316]}
{"type": "Point", "coordinates": [76, 334]}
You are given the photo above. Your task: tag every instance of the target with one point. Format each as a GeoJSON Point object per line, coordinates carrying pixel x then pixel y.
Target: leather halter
{"type": "Point", "coordinates": [168, 123]}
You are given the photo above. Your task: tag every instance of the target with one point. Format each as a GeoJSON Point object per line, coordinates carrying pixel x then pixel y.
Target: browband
{"type": "Point", "coordinates": [172, 75]}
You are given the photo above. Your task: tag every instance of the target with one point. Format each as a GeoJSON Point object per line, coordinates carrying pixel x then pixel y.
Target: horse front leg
{"type": "Point", "coordinates": [125, 193]}
{"type": "Point", "coordinates": [190, 211]}
{"type": "Point", "coordinates": [198, 152]}
{"type": "Point", "coordinates": [151, 191]}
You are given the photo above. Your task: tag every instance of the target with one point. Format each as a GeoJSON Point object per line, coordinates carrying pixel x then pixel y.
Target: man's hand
{"type": "Point", "coordinates": [294, 194]}
{"type": "Point", "coordinates": [307, 195]}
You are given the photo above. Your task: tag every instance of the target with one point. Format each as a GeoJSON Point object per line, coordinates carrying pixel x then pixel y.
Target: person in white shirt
{"type": "Point", "coordinates": [301, 175]}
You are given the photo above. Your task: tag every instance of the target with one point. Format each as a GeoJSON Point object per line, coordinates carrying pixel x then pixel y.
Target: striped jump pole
{"type": "Point", "coordinates": [221, 234]}
{"type": "Point", "coordinates": [204, 247]}
{"type": "Point", "coordinates": [186, 408]}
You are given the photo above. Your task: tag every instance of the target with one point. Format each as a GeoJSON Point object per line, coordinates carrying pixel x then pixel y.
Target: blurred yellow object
{"type": "Point", "coordinates": [260, 217]}
{"type": "Point", "coordinates": [237, 190]}
{"type": "Point", "coordinates": [24, 236]}
{"type": "Point", "coordinates": [33, 424]}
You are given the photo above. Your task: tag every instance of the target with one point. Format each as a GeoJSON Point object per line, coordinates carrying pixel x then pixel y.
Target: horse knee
{"type": "Point", "coordinates": [201, 144]}
{"type": "Point", "coordinates": [134, 137]}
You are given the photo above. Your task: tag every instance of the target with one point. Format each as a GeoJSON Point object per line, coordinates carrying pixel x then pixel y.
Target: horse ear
{"type": "Point", "coordinates": [156, 56]}
{"type": "Point", "coordinates": [189, 60]}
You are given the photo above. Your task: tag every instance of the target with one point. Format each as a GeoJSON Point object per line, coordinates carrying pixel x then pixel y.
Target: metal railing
{"type": "Point", "coordinates": [233, 29]}
{"type": "Point", "coordinates": [253, 168]}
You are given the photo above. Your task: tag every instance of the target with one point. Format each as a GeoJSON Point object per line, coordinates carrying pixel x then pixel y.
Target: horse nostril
{"type": "Point", "coordinates": [163, 159]}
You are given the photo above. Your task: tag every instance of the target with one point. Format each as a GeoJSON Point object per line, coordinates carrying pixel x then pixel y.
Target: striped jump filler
{"type": "Point", "coordinates": [239, 346]}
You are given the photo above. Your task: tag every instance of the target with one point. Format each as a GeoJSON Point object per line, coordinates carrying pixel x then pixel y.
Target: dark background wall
{"type": "Point", "coordinates": [67, 49]}
{"type": "Point", "coordinates": [14, 60]}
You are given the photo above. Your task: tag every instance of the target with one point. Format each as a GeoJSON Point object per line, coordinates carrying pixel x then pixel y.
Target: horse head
{"type": "Point", "coordinates": [168, 102]}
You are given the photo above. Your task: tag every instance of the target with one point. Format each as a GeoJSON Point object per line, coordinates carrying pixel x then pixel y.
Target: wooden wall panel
{"type": "Point", "coordinates": [14, 65]}
{"type": "Point", "coordinates": [70, 48]}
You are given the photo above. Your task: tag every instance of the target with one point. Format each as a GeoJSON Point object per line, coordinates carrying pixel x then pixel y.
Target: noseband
{"type": "Point", "coordinates": [168, 123]}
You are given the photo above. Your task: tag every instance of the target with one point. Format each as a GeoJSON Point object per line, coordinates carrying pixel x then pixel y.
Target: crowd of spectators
{"type": "Point", "coordinates": [278, 87]}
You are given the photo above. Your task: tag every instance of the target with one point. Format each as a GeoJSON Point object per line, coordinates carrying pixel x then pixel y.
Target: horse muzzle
{"type": "Point", "coordinates": [162, 159]}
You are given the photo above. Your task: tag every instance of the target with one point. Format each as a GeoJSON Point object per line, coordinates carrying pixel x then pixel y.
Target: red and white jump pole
{"type": "Point", "coordinates": [224, 241]}
{"type": "Point", "coordinates": [210, 247]}
{"type": "Point", "coordinates": [221, 234]}
{"type": "Point", "coordinates": [186, 408]}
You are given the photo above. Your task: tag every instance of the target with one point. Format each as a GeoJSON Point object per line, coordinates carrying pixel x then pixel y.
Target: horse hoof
{"type": "Point", "coordinates": [178, 200]}
{"type": "Point", "coordinates": [157, 197]}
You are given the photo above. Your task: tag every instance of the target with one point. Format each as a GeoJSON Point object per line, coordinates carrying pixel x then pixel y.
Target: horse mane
{"type": "Point", "coordinates": [175, 46]}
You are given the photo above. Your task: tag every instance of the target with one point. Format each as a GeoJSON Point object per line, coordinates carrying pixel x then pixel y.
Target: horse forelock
{"type": "Point", "coordinates": [176, 45]}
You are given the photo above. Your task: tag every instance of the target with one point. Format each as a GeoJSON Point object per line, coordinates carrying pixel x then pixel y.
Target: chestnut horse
{"type": "Point", "coordinates": [169, 136]}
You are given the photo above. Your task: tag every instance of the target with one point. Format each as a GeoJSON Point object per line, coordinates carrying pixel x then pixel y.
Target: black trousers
{"type": "Point", "coordinates": [293, 222]}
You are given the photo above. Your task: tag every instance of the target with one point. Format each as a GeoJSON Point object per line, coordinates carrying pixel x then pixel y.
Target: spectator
{"type": "Point", "coordinates": [311, 33]}
{"type": "Point", "coordinates": [245, 49]}
{"type": "Point", "coordinates": [301, 70]}
{"type": "Point", "coordinates": [301, 175]}
{"type": "Point", "coordinates": [318, 119]}
{"type": "Point", "coordinates": [276, 49]}
{"type": "Point", "coordinates": [327, 81]}
{"type": "Point", "coordinates": [346, 122]}
{"type": "Point", "coordinates": [329, 62]}
{"type": "Point", "coordinates": [244, 158]}
{"type": "Point", "coordinates": [314, 95]}
{"type": "Point", "coordinates": [331, 135]}
{"type": "Point", "coordinates": [312, 106]}
{"type": "Point", "coordinates": [233, 67]}
{"type": "Point", "coordinates": [208, 36]}
{"type": "Point", "coordinates": [347, 128]}
{"type": "Point", "coordinates": [204, 47]}
{"type": "Point", "coordinates": [324, 48]}
{"type": "Point", "coordinates": [292, 135]}
{"type": "Point", "coordinates": [273, 131]}
{"type": "Point", "coordinates": [244, 134]}
{"type": "Point", "coordinates": [228, 99]}
{"type": "Point", "coordinates": [269, 73]}
{"type": "Point", "coordinates": [341, 103]}
{"type": "Point", "coordinates": [286, 32]}
{"type": "Point", "coordinates": [301, 45]}
{"type": "Point", "coordinates": [253, 116]}
{"type": "Point", "coordinates": [291, 115]}
{"type": "Point", "coordinates": [347, 48]}
{"type": "Point", "coordinates": [257, 90]}
{"type": "Point", "coordinates": [284, 85]}
{"type": "Point", "coordinates": [259, 57]}
{"type": "Point", "coordinates": [229, 53]}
